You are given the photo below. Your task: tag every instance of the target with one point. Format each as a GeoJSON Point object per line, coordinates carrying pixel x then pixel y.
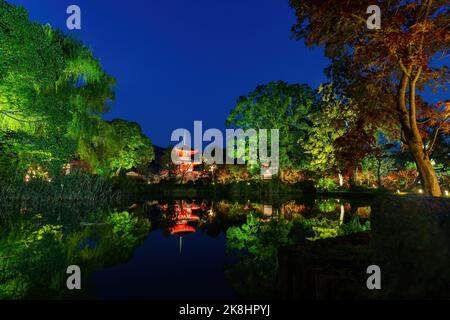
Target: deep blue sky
{"type": "Point", "coordinates": [178, 61]}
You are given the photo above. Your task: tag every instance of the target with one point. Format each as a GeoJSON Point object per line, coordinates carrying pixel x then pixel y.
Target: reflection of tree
{"type": "Point", "coordinates": [256, 245]}
{"type": "Point", "coordinates": [34, 258]}
{"type": "Point", "coordinates": [98, 246]}
{"type": "Point", "coordinates": [291, 209]}
{"type": "Point", "coordinates": [326, 205]}
{"type": "Point", "coordinates": [31, 261]}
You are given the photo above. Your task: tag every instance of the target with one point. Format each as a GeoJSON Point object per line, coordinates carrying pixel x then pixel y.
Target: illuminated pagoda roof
{"type": "Point", "coordinates": [182, 217]}
{"type": "Point", "coordinates": [182, 229]}
{"type": "Point", "coordinates": [186, 151]}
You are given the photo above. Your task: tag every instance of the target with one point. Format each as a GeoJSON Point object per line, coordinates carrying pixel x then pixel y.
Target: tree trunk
{"type": "Point", "coordinates": [427, 174]}
{"type": "Point", "coordinates": [412, 137]}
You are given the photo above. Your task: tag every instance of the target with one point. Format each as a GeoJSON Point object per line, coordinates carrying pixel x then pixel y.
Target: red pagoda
{"type": "Point", "coordinates": [184, 215]}
{"type": "Point", "coordinates": [186, 164]}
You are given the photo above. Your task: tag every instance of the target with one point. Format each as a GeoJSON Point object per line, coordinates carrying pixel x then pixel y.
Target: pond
{"type": "Point", "coordinates": [218, 249]}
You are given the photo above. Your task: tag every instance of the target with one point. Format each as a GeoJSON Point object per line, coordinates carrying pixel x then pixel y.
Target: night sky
{"type": "Point", "coordinates": [178, 61]}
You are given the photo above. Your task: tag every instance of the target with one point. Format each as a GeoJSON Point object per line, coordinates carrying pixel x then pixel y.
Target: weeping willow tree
{"type": "Point", "coordinates": [30, 62]}
{"type": "Point", "coordinates": [53, 92]}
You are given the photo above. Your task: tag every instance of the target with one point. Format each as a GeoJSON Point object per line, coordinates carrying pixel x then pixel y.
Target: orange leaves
{"type": "Point", "coordinates": [434, 120]}
{"type": "Point", "coordinates": [411, 6]}
{"type": "Point", "coordinates": [434, 116]}
{"type": "Point", "coordinates": [367, 65]}
{"type": "Point", "coordinates": [402, 179]}
{"type": "Point", "coordinates": [444, 116]}
{"type": "Point", "coordinates": [352, 147]}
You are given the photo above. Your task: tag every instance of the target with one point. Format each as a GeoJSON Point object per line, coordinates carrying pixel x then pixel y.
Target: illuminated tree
{"type": "Point", "coordinates": [34, 257]}
{"type": "Point", "coordinates": [331, 120]}
{"type": "Point", "coordinates": [52, 92]}
{"type": "Point", "coordinates": [278, 105]}
{"type": "Point", "coordinates": [135, 148]}
{"type": "Point", "coordinates": [383, 70]}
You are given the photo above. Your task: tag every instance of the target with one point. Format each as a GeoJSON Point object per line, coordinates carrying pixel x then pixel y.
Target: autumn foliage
{"type": "Point", "coordinates": [384, 71]}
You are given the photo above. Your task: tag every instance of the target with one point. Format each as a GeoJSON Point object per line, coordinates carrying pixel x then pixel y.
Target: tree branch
{"type": "Point", "coordinates": [8, 115]}
{"type": "Point", "coordinates": [401, 103]}
{"type": "Point", "coordinates": [405, 71]}
{"type": "Point", "coordinates": [412, 99]}
{"type": "Point", "coordinates": [433, 142]}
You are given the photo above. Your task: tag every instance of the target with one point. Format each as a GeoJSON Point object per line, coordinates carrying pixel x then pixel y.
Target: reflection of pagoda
{"type": "Point", "coordinates": [186, 165]}
{"type": "Point", "coordinates": [184, 215]}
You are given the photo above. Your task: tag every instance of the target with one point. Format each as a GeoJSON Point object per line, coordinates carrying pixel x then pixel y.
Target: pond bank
{"type": "Point", "coordinates": [409, 241]}
{"type": "Point", "coordinates": [246, 190]}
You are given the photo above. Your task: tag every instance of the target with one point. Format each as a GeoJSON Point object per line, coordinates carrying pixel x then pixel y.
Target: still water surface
{"type": "Point", "coordinates": [196, 249]}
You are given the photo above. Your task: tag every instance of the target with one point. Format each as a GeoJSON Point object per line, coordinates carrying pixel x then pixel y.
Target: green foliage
{"type": "Point", "coordinates": [278, 105]}
{"type": "Point", "coordinates": [235, 210]}
{"type": "Point", "coordinates": [34, 256]}
{"type": "Point", "coordinates": [326, 184]}
{"type": "Point", "coordinates": [330, 121]}
{"type": "Point", "coordinates": [244, 237]}
{"type": "Point", "coordinates": [50, 84]}
{"type": "Point", "coordinates": [78, 186]}
{"type": "Point", "coordinates": [107, 239]}
{"type": "Point", "coordinates": [320, 228]}
{"type": "Point", "coordinates": [53, 92]}
{"type": "Point", "coordinates": [410, 165]}
{"type": "Point", "coordinates": [381, 161]}
{"type": "Point", "coordinates": [326, 205]}
{"type": "Point", "coordinates": [135, 148]}
{"type": "Point", "coordinates": [257, 243]}
{"type": "Point", "coordinates": [373, 163]}
{"type": "Point", "coordinates": [31, 260]}
{"type": "Point", "coordinates": [354, 226]}
{"type": "Point", "coordinates": [32, 114]}
{"type": "Point", "coordinates": [126, 228]}
{"type": "Point", "coordinates": [117, 145]}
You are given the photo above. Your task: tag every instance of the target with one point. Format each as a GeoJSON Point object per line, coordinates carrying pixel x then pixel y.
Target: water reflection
{"type": "Point", "coordinates": [182, 215]}
{"type": "Point", "coordinates": [35, 251]}
{"type": "Point", "coordinates": [229, 248]}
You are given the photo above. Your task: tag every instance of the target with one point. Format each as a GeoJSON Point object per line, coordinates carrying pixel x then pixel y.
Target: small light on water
{"type": "Point", "coordinates": [398, 191]}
